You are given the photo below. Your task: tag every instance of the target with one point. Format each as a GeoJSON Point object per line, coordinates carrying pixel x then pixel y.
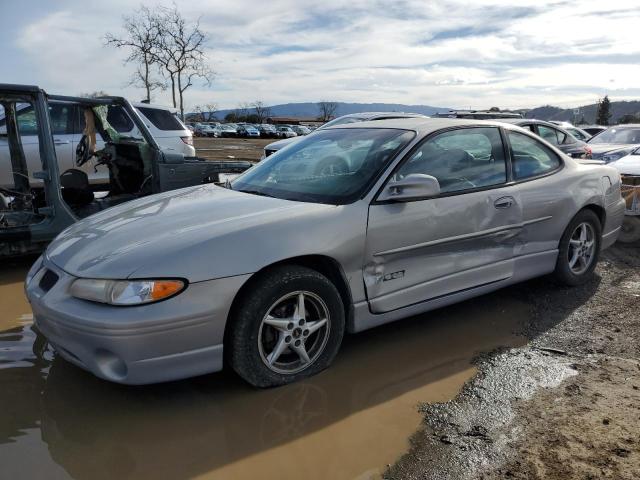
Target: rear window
{"type": "Point", "coordinates": [161, 119]}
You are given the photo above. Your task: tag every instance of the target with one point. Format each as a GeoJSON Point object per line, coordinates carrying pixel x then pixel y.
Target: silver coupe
{"type": "Point", "coordinates": [351, 227]}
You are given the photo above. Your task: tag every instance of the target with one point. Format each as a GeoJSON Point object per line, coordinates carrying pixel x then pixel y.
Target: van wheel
{"type": "Point", "coordinates": [288, 326]}
{"type": "Point", "coordinates": [579, 249]}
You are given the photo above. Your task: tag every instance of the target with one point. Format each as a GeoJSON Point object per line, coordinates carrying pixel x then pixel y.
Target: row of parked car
{"type": "Point", "coordinates": [589, 142]}
{"type": "Point", "coordinates": [248, 130]}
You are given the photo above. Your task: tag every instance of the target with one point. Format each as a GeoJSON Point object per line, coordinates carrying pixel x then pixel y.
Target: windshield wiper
{"type": "Point", "coordinates": [256, 192]}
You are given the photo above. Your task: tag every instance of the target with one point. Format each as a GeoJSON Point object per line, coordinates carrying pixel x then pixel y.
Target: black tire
{"type": "Point", "coordinates": [563, 272]}
{"type": "Point", "coordinates": [630, 231]}
{"type": "Point", "coordinates": [241, 342]}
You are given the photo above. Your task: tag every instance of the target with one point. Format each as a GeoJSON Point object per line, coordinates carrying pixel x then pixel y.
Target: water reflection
{"type": "Point", "coordinates": [347, 422]}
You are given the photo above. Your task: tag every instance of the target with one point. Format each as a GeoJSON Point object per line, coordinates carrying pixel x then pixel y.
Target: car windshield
{"type": "Point", "coordinates": [618, 136]}
{"type": "Point", "coordinates": [332, 166]}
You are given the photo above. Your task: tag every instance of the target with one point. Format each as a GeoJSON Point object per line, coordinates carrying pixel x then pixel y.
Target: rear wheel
{"type": "Point", "coordinates": [288, 326]}
{"type": "Point", "coordinates": [579, 249]}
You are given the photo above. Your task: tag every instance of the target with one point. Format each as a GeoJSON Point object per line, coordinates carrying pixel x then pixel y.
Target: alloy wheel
{"type": "Point", "coordinates": [582, 248]}
{"type": "Point", "coordinates": [294, 332]}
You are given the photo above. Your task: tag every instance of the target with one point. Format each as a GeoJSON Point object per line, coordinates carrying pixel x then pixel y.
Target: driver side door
{"type": "Point", "coordinates": [463, 238]}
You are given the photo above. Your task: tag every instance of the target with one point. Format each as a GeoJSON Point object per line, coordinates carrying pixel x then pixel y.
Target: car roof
{"type": "Point", "coordinates": [374, 115]}
{"type": "Point", "coordinates": [520, 121]}
{"type": "Point", "coordinates": [423, 124]}
{"type": "Point", "coordinates": [155, 106]}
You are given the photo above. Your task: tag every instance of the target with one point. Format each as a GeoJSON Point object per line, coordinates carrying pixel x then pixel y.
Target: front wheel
{"type": "Point", "coordinates": [288, 325]}
{"type": "Point", "coordinates": [579, 249]}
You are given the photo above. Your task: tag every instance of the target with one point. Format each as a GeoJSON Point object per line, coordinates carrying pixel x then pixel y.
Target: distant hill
{"type": "Point", "coordinates": [310, 109]}
{"type": "Point", "coordinates": [548, 112]}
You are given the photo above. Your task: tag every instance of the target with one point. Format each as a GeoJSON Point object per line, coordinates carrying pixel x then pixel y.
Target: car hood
{"type": "Point", "coordinates": [281, 143]}
{"type": "Point", "coordinates": [196, 233]}
{"type": "Point", "coordinates": [629, 165]}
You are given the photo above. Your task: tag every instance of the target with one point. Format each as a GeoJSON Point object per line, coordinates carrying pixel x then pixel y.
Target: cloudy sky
{"type": "Point", "coordinates": [446, 53]}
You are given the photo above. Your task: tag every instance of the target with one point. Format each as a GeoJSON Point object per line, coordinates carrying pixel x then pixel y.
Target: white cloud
{"type": "Point", "coordinates": [447, 53]}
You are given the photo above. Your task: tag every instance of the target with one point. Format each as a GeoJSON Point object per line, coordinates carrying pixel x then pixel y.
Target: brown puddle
{"type": "Point", "coordinates": [57, 421]}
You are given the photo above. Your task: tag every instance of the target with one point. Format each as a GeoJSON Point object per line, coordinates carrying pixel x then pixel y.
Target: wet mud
{"type": "Point", "coordinates": [565, 406]}
{"type": "Point", "coordinates": [351, 421]}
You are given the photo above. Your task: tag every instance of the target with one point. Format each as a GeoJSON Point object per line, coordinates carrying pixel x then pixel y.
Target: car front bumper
{"type": "Point", "coordinates": [177, 338]}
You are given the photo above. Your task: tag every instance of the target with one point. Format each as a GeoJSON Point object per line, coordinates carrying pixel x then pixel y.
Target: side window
{"type": "Point", "coordinates": [161, 119]}
{"type": "Point", "coordinates": [27, 121]}
{"type": "Point", "coordinates": [530, 157]}
{"type": "Point", "coordinates": [461, 159]}
{"type": "Point", "coordinates": [61, 116]}
{"type": "Point", "coordinates": [562, 137]}
{"type": "Point", "coordinates": [116, 117]}
{"type": "Point", "coordinates": [577, 134]}
{"type": "Point", "coordinates": [119, 119]}
{"type": "Point", "coordinates": [550, 135]}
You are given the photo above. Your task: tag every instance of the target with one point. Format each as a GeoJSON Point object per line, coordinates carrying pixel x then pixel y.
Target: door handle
{"type": "Point", "coordinates": [57, 141]}
{"type": "Point", "coordinates": [504, 202]}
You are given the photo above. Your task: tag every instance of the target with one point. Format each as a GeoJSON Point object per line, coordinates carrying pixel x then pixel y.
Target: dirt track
{"type": "Point", "coordinates": [565, 406]}
{"type": "Point", "coordinates": [231, 148]}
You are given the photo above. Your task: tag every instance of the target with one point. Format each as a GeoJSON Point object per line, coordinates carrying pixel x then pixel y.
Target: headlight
{"type": "Point", "coordinates": [612, 157]}
{"type": "Point", "coordinates": [126, 292]}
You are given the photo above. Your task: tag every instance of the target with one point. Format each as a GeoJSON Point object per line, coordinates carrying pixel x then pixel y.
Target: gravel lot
{"type": "Point", "coordinates": [565, 406]}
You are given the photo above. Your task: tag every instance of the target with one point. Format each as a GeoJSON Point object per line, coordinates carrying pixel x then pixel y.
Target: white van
{"type": "Point", "coordinates": [67, 124]}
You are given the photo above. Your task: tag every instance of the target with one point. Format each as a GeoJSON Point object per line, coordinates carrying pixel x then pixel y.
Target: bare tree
{"type": "Point", "coordinates": [211, 109]}
{"type": "Point", "coordinates": [205, 113]}
{"type": "Point", "coordinates": [142, 36]}
{"type": "Point", "coordinates": [181, 53]}
{"type": "Point", "coordinates": [262, 111]}
{"type": "Point", "coordinates": [242, 111]}
{"type": "Point", "coordinates": [198, 114]}
{"type": "Point", "coordinates": [327, 110]}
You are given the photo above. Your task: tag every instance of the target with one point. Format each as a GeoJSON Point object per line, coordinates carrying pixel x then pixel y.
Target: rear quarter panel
{"type": "Point", "coordinates": [550, 203]}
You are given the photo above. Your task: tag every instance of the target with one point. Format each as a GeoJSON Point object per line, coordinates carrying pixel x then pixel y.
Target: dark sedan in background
{"type": "Point", "coordinates": [555, 135]}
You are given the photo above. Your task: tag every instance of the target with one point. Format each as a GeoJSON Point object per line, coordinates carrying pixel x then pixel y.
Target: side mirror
{"type": "Point", "coordinates": [411, 187]}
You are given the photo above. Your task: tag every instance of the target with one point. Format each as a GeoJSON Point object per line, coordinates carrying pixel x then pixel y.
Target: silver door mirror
{"type": "Point", "coordinates": [411, 187]}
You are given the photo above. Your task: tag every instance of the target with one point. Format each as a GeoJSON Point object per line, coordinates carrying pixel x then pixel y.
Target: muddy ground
{"type": "Point", "coordinates": [231, 148]}
{"type": "Point", "coordinates": [565, 406]}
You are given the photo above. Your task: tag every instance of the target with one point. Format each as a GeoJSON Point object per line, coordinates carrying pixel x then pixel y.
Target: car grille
{"type": "Point", "coordinates": [48, 280]}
